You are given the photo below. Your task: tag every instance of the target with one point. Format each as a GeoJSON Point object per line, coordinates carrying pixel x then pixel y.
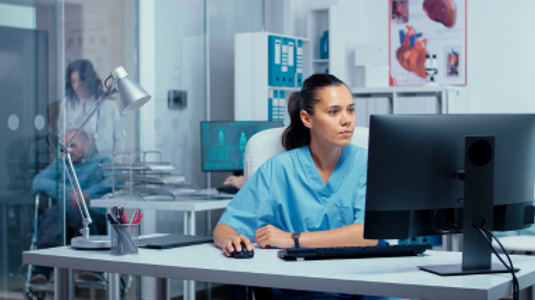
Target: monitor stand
{"type": "Point", "coordinates": [478, 211]}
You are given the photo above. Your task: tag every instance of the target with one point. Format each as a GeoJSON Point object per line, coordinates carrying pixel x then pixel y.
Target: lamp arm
{"type": "Point", "coordinates": [86, 217]}
{"type": "Point", "coordinates": [67, 148]}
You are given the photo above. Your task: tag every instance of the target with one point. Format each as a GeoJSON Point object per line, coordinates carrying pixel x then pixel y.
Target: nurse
{"type": "Point", "coordinates": [313, 194]}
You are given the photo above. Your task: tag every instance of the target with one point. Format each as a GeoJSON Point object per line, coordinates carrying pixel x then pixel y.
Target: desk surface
{"type": "Point", "coordinates": [522, 243]}
{"type": "Point", "coordinates": [397, 277]}
{"type": "Point", "coordinates": [195, 202]}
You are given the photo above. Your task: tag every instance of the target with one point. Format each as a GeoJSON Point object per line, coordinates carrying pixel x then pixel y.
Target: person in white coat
{"type": "Point", "coordinates": [82, 89]}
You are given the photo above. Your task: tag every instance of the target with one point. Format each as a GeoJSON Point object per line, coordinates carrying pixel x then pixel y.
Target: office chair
{"type": "Point", "coordinates": [266, 144]}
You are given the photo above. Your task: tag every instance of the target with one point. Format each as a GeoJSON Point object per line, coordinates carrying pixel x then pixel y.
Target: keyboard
{"type": "Point", "coordinates": [353, 252]}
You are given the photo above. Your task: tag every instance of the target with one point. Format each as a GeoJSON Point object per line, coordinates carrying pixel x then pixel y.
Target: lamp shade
{"type": "Point", "coordinates": [131, 95]}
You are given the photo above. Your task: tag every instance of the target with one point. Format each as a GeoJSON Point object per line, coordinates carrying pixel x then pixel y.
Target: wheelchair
{"type": "Point", "coordinates": [34, 291]}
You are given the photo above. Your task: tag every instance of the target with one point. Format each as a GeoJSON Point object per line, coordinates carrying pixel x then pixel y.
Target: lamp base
{"type": "Point", "coordinates": [95, 242]}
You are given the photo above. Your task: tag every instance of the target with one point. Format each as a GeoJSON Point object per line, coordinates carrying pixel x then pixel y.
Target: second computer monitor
{"type": "Point", "coordinates": [223, 143]}
{"type": "Point", "coordinates": [439, 174]}
{"type": "Point", "coordinates": [415, 169]}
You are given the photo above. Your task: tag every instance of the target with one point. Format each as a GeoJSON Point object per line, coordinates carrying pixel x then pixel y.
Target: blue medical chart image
{"type": "Point", "coordinates": [223, 143]}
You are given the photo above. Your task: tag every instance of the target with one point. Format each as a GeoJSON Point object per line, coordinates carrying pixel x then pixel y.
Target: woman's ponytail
{"type": "Point", "coordinates": [296, 135]}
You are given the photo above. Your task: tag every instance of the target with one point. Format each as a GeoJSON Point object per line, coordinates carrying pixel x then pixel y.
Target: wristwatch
{"type": "Point", "coordinates": [296, 235]}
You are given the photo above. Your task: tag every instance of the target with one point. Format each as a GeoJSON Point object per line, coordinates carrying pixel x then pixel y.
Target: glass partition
{"type": "Point", "coordinates": [28, 74]}
{"type": "Point", "coordinates": [54, 57]}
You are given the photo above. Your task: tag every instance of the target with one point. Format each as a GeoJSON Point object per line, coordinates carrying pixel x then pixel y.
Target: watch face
{"type": "Point", "coordinates": [296, 234]}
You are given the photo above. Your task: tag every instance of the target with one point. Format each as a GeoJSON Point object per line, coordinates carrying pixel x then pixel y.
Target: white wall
{"type": "Point", "coordinates": [500, 46]}
{"type": "Point", "coordinates": [501, 58]}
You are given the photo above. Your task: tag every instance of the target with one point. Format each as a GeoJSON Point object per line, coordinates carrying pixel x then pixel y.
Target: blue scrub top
{"type": "Point", "coordinates": [287, 192]}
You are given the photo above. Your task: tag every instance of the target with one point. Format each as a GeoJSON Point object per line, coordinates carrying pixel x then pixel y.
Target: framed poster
{"type": "Point", "coordinates": [427, 42]}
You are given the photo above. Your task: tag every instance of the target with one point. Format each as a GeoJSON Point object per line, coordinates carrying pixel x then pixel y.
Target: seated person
{"type": "Point", "coordinates": [235, 181]}
{"type": "Point", "coordinates": [315, 189]}
{"type": "Point", "coordinates": [51, 181]}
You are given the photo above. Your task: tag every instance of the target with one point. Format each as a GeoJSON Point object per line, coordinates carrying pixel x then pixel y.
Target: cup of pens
{"type": "Point", "coordinates": [123, 233]}
{"type": "Point", "coordinates": [124, 239]}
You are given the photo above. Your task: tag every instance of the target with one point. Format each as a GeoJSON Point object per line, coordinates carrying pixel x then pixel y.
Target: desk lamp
{"type": "Point", "coordinates": [131, 97]}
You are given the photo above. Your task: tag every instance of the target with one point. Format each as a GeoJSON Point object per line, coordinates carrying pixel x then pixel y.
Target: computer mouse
{"type": "Point", "coordinates": [244, 253]}
{"type": "Point", "coordinates": [228, 189]}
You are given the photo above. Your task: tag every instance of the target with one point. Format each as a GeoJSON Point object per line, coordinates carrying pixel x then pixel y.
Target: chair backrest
{"type": "Point", "coordinates": [266, 144]}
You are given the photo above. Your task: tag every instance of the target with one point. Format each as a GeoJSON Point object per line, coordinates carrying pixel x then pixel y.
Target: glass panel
{"type": "Point", "coordinates": [28, 116]}
{"type": "Point", "coordinates": [181, 87]}
{"type": "Point", "coordinates": [99, 36]}
{"type": "Point", "coordinates": [180, 71]}
{"type": "Point", "coordinates": [42, 45]}
{"type": "Point", "coordinates": [227, 18]}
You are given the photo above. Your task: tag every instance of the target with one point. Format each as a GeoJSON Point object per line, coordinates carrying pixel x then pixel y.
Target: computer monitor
{"type": "Point", "coordinates": [439, 174]}
{"type": "Point", "coordinates": [223, 143]}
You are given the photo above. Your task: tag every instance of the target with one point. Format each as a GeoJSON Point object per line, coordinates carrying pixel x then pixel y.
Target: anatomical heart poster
{"type": "Point", "coordinates": [427, 42]}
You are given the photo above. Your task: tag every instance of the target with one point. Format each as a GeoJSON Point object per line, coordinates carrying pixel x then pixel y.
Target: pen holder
{"type": "Point", "coordinates": [124, 239]}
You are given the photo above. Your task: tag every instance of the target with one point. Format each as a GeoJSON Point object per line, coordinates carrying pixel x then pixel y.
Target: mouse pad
{"type": "Point", "coordinates": [173, 240]}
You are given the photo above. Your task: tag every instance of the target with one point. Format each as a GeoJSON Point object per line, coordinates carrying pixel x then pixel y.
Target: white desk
{"type": "Point", "coordinates": [395, 277]}
{"type": "Point", "coordinates": [204, 200]}
{"type": "Point", "coordinates": [517, 243]}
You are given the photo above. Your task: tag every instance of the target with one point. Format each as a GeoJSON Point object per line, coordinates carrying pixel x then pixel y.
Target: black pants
{"type": "Point", "coordinates": [49, 234]}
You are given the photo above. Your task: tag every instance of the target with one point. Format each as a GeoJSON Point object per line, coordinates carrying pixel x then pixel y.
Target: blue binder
{"type": "Point", "coordinates": [299, 63]}
{"type": "Point", "coordinates": [284, 63]}
{"type": "Point", "coordinates": [291, 61]}
{"type": "Point", "coordinates": [274, 60]}
{"type": "Point", "coordinates": [325, 44]}
{"type": "Point", "coordinates": [281, 106]}
{"type": "Point", "coordinates": [272, 103]}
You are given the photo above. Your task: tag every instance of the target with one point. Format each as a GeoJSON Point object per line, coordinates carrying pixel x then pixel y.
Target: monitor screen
{"type": "Point", "coordinates": [438, 174]}
{"type": "Point", "coordinates": [223, 143]}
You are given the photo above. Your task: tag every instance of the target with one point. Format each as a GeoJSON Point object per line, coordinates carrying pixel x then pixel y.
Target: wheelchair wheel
{"type": "Point", "coordinates": [31, 295]}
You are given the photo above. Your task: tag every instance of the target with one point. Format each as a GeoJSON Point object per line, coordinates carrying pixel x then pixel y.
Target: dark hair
{"type": "Point", "coordinates": [297, 135]}
{"type": "Point", "coordinates": [87, 74]}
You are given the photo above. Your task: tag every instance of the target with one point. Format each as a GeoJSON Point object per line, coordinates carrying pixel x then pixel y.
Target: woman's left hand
{"type": "Point", "coordinates": [270, 236]}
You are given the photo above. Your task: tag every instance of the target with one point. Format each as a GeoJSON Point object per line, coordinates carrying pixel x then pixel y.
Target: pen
{"type": "Point", "coordinates": [134, 216]}
{"type": "Point", "coordinates": [112, 219]}
{"type": "Point", "coordinates": [124, 219]}
{"type": "Point", "coordinates": [138, 219]}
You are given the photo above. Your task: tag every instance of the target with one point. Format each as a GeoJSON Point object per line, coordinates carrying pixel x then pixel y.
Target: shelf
{"type": "Point", "coordinates": [406, 90]}
{"type": "Point", "coordinates": [320, 61]}
{"type": "Point", "coordinates": [284, 88]}
{"type": "Point", "coordinates": [164, 179]}
{"type": "Point", "coordinates": [157, 167]}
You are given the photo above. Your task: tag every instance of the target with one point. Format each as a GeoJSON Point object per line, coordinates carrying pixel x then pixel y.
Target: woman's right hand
{"type": "Point", "coordinates": [230, 242]}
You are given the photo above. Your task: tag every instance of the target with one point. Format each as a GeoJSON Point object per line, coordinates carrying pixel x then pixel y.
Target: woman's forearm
{"type": "Point", "coordinates": [351, 235]}
{"type": "Point", "coordinates": [222, 231]}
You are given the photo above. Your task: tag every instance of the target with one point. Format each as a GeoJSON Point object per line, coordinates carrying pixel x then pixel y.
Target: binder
{"type": "Point", "coordinates": [326, 44]}
{"type": "Point", "coordinates": [274, 60]}
{"type": "Point", "coordinates": [284, 64]}
{"type": "Point", "coordinates": [322, 51]}
{"type": "Point", "coordinates": [281, 106]}
{"type": "Point", "coordinates": [272, 103]}
{"type": "Point", "coordinates": [299, 63]}
{"type": "Point", "coordinates": [291, 62]}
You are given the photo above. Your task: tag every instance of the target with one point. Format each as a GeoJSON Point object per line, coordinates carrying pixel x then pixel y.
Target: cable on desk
{"type": "Point", "coordinates": [486, 233]}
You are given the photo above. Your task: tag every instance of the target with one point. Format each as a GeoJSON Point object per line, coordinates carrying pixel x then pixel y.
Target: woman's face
{"type": "Point", "coordinates": [334, 118]}
{"type": "Point", "coordinates": [79, 86]}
